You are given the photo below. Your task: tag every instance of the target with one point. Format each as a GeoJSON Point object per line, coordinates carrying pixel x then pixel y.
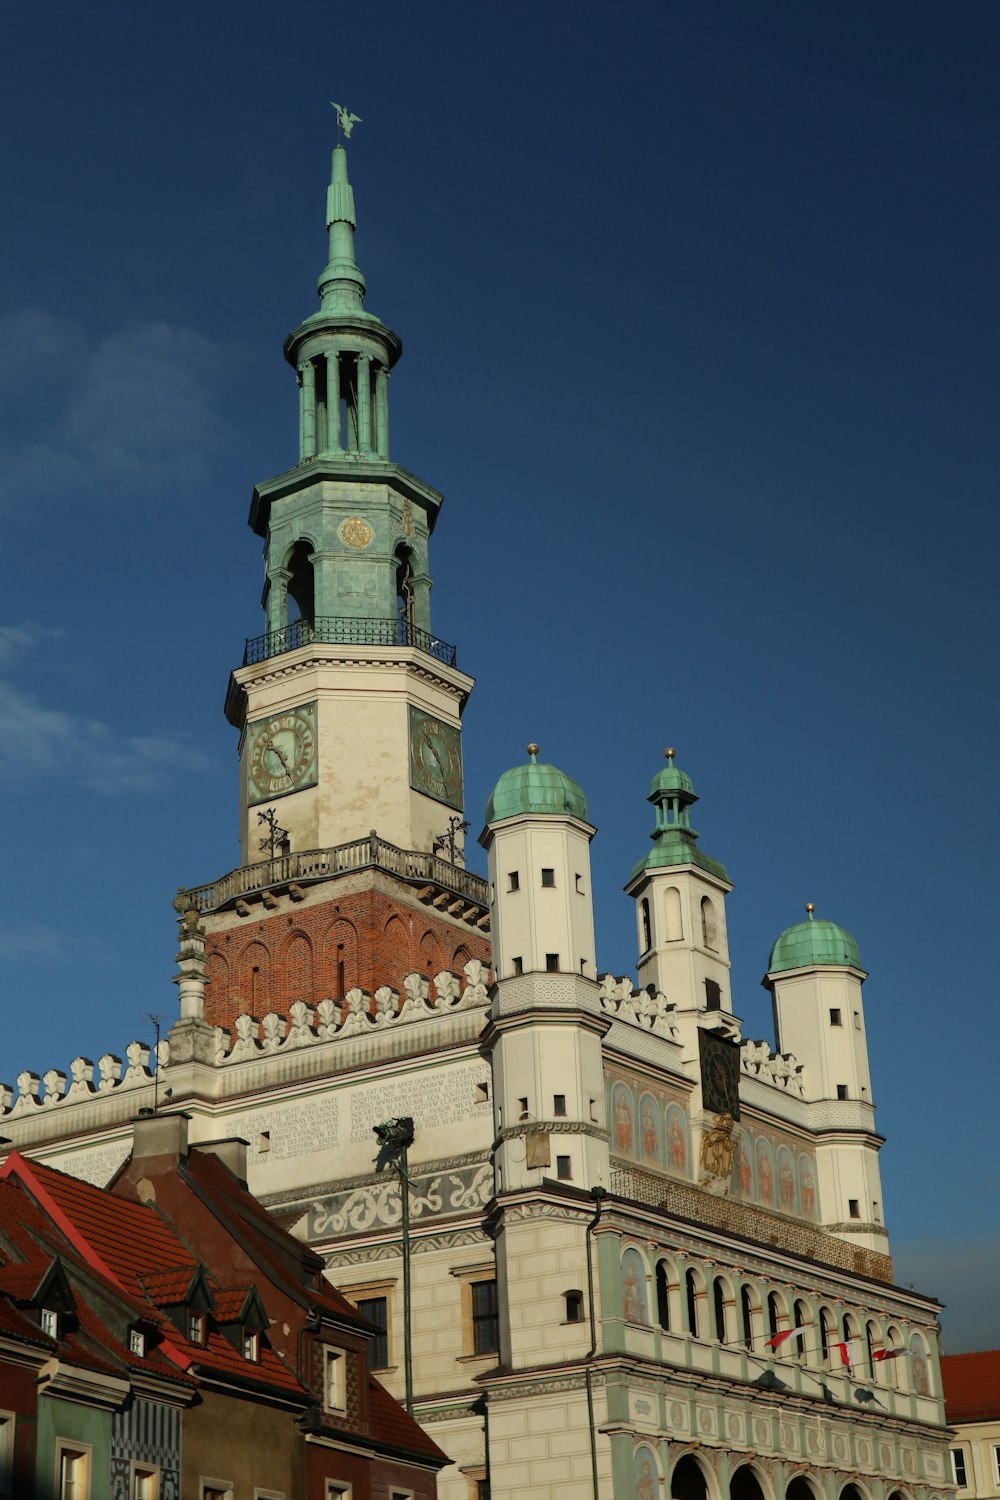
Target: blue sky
{"type": "Point", "coordinates": [700, 315]}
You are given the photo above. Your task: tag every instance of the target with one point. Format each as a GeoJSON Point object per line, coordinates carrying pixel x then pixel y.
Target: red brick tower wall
{"type": "Point", "coordinates": [353, 939]}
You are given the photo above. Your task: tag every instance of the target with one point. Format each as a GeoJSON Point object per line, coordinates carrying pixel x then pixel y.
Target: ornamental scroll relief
{"type": "Point", "coordinates": [380, 1206]}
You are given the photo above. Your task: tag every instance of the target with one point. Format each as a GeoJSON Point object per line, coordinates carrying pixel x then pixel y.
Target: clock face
{"type": "Point", "coordinates": [720, 1075]}
{"type": "Point", "coordinates": [435, 758]}
{"type": "Point", "coordinates": [281, 754]}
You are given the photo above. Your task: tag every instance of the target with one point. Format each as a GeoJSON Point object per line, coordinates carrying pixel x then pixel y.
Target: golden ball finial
{"type": "Point", "coordinates": [810, 907]}
{"type": "Point", "coordinates": [532, 748]}
{"type": "Point", "coordinates": [669, 752]}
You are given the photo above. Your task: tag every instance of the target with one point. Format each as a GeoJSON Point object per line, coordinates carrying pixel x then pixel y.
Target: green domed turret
{"type": "Point", "coordinates": [675, 842]}
{"type": "Point", "coordinates": [813, 943]}
{"type": "Point", "coordinates": [535, 788]}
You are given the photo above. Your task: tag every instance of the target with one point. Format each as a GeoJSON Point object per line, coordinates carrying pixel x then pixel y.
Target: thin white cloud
{"type": "Point", "coordinates": [40, 742]}
{"type": "Point", "coordinates": [141, 405]}
{"type": "Point", "coordinates": [34, 941]}
{"type": "Point", "coordinates": [17, 640]}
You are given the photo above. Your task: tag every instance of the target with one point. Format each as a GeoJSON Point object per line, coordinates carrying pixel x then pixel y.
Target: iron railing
{"type": "Point", "coordinates": [340, 630]}
{"type": "Point", "coordinates": [318, 864]}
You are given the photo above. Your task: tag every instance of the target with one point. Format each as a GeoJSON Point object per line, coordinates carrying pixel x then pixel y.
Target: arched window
{"type": "Point", "coordinates": [672, 909]}
{"type": "Point", "coordinates": [719, 1305]}
{"type": "Point", "coordinates": [890, 1367]}
{"type": "Point", "coordinates": [872, 1342]}
{"type": "Point", "coordinates": [773, 1313]}
{"type": "Point", "coordinates": [691, 1288]}
{"type": "Point", "coordinates": [574, 1306]}
{"type": "Point", "coordinates": [746, 1309]}
{"type": "Point", "coordinates": [301, 585]}
{"type": "Point", "coordinates": [709, 926]}
{"type": "Point", "coordinates": [827, 1331]}
{"type": "Point", "coordinates": [687, 1482]}
{"type": "Point", "coordinates": [647, 931]}
{"type": "Point", "coordinates": [800, 1319]}
{"type": "Point", "coordinates": [662, 1294]}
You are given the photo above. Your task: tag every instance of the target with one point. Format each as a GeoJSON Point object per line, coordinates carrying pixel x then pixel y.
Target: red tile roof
{"type": "Point", "coordinates": [389, 1425]}
{"type": "Point", "coordinates": [168, 1288]}
{"type": "Point", "coordinates": [971, 1386]}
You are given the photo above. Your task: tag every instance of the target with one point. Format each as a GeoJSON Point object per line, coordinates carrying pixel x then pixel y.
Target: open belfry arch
{"type": "Point", "coordinates": [646, 1256]}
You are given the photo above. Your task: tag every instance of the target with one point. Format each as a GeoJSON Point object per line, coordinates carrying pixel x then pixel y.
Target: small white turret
{"type": "Point", "coordinates": [546, 1018]}
{"type": "Point", "coordinates": [815, 976]}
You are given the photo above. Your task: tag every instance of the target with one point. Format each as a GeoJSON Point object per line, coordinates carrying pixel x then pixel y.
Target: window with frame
{"type": "Point", "coordinates": [49, 1322]}
{"type": "Point", "coordinates": [137, 1342]}
{"type": "Point", "coordinates": [996, 1462]}
{"type": "Point", "coordinates": [145, 1482]}
{"type": "Point", "coordinates": [251, 1345]}
{"type": "Point", "coordinates": [196, 1327]}
{"type": "Point", "coordinates": [548, 877]}
{"type": "Point", "coordinates": [552, 963]}
{"type": "Point", "coordinates": [376, 1310]}
{"type": "Point", "coordinates": [337, 1490]}
{"type": "Point", "coordinates": [574, 1307]}
{"type": "Point", "coordinates": [958, 1473]}
{"type": "Point", "coordinates": [335, 1380]}
{"type": "Point", "coordinates": [513, 881]}
{"type": "Point", "coordinates": [485, 1317]}
{"type": "Point", "coordinates": [216, 1489]}
{"type": "Point", "coordinates": [72, 1471]}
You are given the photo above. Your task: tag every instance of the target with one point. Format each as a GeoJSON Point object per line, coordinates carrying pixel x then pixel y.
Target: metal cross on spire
{"type": "Point", "coordinates": [345, 121]}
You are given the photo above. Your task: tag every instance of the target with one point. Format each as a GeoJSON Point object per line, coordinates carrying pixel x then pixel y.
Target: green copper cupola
{"type": "Point", "coordinates": [675, 842]}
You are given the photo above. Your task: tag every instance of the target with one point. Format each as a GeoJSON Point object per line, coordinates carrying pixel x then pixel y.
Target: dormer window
{"type": "Point", "coordinates": [137, 1342]}
{"type": "Point", "coordinates": [49, 1322]}
{"type": "Point", "coordinates": [335, 1380]}
{"type": "Point", "coordinates": [196, 1327]}
{"type": "Point", "coordinates": [251, 1345]}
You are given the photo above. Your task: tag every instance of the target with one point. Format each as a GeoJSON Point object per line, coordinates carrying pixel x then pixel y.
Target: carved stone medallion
{"type": "Point", "coordinates": [354, 532]}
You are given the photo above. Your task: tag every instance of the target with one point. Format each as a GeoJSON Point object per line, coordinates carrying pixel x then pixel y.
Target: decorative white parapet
{"type": "Point", "coordinates": [331, 1020]}
{"type": "Point", "coordinates": [620, 998]}
{"type": "Point", "coordinates": [360, 1014]}
{"type": "Point", "coordinates": [780, 1069]}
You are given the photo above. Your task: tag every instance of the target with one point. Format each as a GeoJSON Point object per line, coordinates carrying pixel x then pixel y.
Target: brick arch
{"type": "Point", "coordinates": [341, 970]}
{"type": "Point", "coordinates": [218, 995]}
{"type": "Point", "coordinates": [256, 992]}
{"type": "Point", "coordinates": [460, 958]}
{"type": "Point", "coordinates": [295, 971]}
{"type": "Point", "coordinates": [430, 955]}
{"type": "Point", "coordinates": [396, 948]}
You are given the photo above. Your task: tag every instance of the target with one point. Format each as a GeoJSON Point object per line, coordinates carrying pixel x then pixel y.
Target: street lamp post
{"type": "Point", "coordinates": [395, 1137]}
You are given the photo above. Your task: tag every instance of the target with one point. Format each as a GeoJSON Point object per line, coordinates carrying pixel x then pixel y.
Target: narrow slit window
{"type": "Point", "coordinates": [548, 877]}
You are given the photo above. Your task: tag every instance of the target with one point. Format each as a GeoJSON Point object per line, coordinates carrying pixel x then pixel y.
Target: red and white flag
{"type": "Point", "coordinates": [888, 1353]}
{"type": "Point", "coordinates": [847, 1354]}
{"type": "Point", "coordinates": [779, 1338]}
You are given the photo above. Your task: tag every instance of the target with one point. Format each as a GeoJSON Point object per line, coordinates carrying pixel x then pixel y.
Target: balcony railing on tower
{"type": "Point", "coordinates": [345, 631]}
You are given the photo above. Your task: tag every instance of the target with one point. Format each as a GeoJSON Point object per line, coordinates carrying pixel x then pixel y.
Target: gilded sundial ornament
{"type": "Point", "coordinates": [354, 532]}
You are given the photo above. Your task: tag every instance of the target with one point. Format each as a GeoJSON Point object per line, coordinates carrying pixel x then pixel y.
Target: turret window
{"type": "Point", "coordinates": [559, 1104]}
{"type": "Point", "coordinates": [853, 1208]}
{"type": "Point", "coordinates": [709, 925]}
{"type": "Point", "coordinates": [514, 881]}
{"type": "Point", "coordinates": [518, 965]}
{"type": "Point", "coordinates": [835, 1016]}
{"type": "Point", "coordinates": [647, 931]}
{"type": "Point", "coordinates": [713, 995]}
{"type": "Point", "coordinates": [841, 1090]}
{"type": "Point", "coordinates": [548, 877]}
{"type": "Point", "coordinates": [564, 1168]}
{"type": "Point", "coordinates": [552, 963]}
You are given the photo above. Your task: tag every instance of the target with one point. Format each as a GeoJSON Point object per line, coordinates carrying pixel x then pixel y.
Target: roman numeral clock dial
{"type": "Point", "coordinates": [435, 758]}
{"type": "Point", "coordinates": [281, 754]}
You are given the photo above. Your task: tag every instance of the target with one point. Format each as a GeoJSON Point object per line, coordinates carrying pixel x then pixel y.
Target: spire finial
{"type": "Point", "coordinates": [341, 284]}
{"type": "Point", "coordinates": [810, 908]}
{"type": "Point", "coordinates": [669, 753]}
{"type": "Point", "coordinates": [345, 121]}
{"type": "Point", "coordinates": [533, 751]}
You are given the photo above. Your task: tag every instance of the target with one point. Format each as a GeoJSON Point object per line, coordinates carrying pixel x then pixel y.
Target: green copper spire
{"type": "Point", "coordinates": [675, 842]}
{"type": "Point", "coordinates": [341, 285]}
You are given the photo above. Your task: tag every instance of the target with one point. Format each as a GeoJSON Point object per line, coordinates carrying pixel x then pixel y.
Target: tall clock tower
{"type": "Point", "coordinates": [348, 706]}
